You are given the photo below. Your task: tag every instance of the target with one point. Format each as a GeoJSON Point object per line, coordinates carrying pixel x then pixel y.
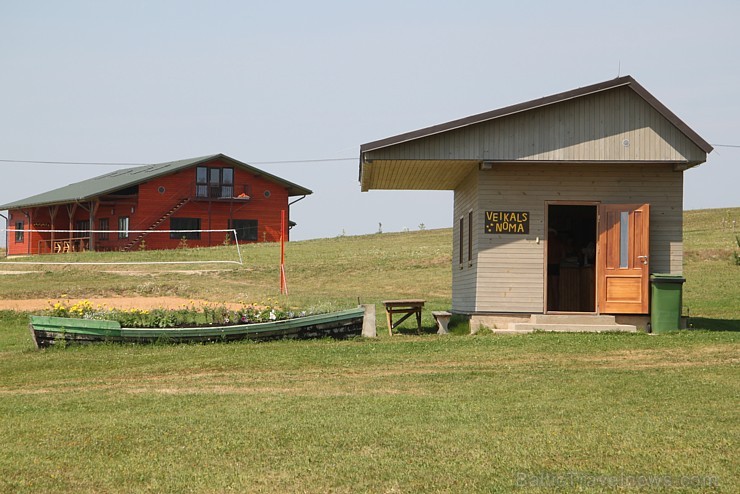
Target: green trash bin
{"type": "Point", "coordinates": [665, 302]}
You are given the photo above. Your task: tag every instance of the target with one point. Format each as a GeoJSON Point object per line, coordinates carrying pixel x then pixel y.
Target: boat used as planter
{"type": "Point", "coordinates": [49, 330]}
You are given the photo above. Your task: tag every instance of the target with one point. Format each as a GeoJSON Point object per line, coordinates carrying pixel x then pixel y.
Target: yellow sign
{"type": "Point", "coordinates": [507, 222]}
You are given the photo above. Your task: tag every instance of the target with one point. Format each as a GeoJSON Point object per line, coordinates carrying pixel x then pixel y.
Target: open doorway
{"type": "Point", "coordinates": [571, 256]}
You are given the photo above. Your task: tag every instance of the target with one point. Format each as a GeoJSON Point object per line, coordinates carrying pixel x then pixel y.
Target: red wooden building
{"type": "Point", "coordinates": [208, 193]}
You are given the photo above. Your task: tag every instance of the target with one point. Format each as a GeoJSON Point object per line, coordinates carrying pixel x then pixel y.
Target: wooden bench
{"type": "Point", "coordinates": [406, 307]}
{"type": "Point", "coordinates": [442, 317]}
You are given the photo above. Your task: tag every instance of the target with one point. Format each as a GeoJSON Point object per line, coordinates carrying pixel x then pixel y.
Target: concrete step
{"type": "Point", "coordinates": [511, 331]}
{"type": "Point", "coordinates": [572, 319]}
{"type": "Point", "coordinates": [528, 327]}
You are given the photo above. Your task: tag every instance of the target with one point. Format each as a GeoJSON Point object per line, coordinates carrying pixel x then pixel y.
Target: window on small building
{"type": "Point", "coordinates": [123, 227]}
{"type": "Point", "coordinates": [470, 237]}
{"type": "Point", "coordinates": [246, 230]}
{"type": "Point", "coordinates": [19, 231]}
{"type": "Point", "coordinates": [185, 224]}
{"type": "Point", "coordinates": [462, 240]}
{"type": "Point", "coordinates": [103, 225]}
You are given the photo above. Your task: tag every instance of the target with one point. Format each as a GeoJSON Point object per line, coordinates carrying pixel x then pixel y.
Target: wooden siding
{"type": "Point", "coordinates": [464, 274]}
{"type": "Point", "coordinates": [400, 174]}
{"type": "Point", "coordinates": [145, 208]}
{"type": "Point", "coordinates": [589, 128]}
{"type": "Point", "coordinates": [510, 268]}
{"type": "Point", "coordinates": [214, 214]}
{"type": "Point", "coordinates": [23, 247]}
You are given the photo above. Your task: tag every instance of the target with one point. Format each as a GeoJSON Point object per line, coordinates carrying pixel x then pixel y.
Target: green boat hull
{"type": "Point", "coordinates": [48, 330]}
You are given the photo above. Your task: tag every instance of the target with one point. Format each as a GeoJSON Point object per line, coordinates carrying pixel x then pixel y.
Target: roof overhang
{"type": "Point", "coordinates": [377, 173]}
{"type": "Point", "coordinates": [415, 174]}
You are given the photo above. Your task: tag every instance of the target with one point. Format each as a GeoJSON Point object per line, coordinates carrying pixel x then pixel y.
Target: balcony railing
{"type": "Point", "coordinates": [204, 191]}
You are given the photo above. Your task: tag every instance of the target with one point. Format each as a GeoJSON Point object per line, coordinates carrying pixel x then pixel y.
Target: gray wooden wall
{"type": "Point", "coordinates": [593, 127]}
{"type": "Point", "coordinates": [508, 271]}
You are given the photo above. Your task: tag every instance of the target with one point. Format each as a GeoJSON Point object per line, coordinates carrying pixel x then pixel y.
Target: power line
{"type": "Point", "coordinates": [301, 161]}
{"type": "Point", "coordinates": [40, 162]}
{"type": "Point", "coordinates": [279, 162]}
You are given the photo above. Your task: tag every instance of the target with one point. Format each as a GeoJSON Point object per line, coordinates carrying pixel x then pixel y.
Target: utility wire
{"type": "Point", "coordinates": [70, 163]}
{"type": "Point", "coordinates": [280, 162]}
{"type": "Point", "coordinates": [38, 162]}
{"type": "Point", "coordinates": [300, 161]}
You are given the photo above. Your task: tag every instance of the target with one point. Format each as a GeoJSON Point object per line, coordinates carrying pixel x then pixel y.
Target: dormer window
{"type": "Point", "coordinates": [214, 182]}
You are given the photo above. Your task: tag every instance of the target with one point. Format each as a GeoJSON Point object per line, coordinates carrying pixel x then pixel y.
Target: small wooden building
{"type": "Point", "coordinates": [207, 193]}
{"type": "Point", "coordinates": [564, 204]}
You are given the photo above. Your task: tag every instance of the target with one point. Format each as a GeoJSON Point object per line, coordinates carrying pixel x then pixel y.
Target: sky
{"type": "Point", "coordinates": [264, 81]}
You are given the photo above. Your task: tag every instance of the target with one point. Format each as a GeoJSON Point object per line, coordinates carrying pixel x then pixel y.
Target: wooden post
{"type": "Point", "coordinates": [28, 238]}
{"type": "Point", "coordinates": [94, 206]}
{"type": "Point", "coordinates": [71, 210]}
{"type": "Point", "coordinates": [71, 213]}
{"type": "Point", "coordinates": [52, 222]}
{"type": "Point", "coordinates": [283, 281]}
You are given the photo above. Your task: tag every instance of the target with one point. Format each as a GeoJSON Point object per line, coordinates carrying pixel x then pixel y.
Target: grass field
{"type": "Point", "coordinates": [712, 290]}
{"type": "Point", "coordinates": [461, 413]}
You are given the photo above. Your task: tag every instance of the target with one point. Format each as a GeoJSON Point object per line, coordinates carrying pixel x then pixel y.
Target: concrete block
{"type": "Point", "coordinates": [368, 322]}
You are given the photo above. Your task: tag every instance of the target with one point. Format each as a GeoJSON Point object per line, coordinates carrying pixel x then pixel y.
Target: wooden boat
{"type": "Point", "coordinates": [48, 330]}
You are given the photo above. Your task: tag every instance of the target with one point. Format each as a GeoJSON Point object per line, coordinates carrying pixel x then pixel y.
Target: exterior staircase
{"type": "Point", "coordinates": [154, 225]}
{"type": "Point", "coordinates": [568, 323]}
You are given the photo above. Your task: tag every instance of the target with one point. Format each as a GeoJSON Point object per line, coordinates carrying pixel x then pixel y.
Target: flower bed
{"type": "Point", "coordinates": [185, 316]}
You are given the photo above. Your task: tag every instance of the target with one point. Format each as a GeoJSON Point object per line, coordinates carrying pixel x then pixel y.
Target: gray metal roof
{"type": "Point", "coordinates": [127, 177]}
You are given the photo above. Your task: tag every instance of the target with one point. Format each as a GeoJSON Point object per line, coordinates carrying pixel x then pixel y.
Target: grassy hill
{"type": "Point", "coordinates": [328, 272]}
{"type": "Point", "coordinates": [340, 271]}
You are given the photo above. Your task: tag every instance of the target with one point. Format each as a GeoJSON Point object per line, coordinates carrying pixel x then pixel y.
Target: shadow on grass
{"type": "Point", "coordinates": [411, 330]}
{"type": "Point", "coordinates": [458, 325]}
{"type": "Point", "coordinates": [709, 324]}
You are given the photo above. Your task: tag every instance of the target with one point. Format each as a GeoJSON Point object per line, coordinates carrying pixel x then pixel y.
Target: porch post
{"type": "Point", "coordinates": [53, 210]}
{"type": "Point", "coordinates": [94, 205]}
{"type": "Point", "coordinates": [30, 237]}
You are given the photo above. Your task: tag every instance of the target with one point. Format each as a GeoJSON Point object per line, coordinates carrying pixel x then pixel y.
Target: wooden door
{"type": "Point", "coordinates": [624, 261]}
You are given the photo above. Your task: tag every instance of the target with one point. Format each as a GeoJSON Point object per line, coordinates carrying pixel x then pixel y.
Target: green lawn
{"type": "Point", "coordinates": [712, 290]}
{"type": "Point", "coordinates": [461, 413]}
{"type": "Point", "coordinates": [405, 414]}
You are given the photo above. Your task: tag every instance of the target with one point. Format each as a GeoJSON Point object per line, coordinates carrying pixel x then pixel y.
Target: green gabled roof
{"type": "Point", "coordinates": [127, 177]}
